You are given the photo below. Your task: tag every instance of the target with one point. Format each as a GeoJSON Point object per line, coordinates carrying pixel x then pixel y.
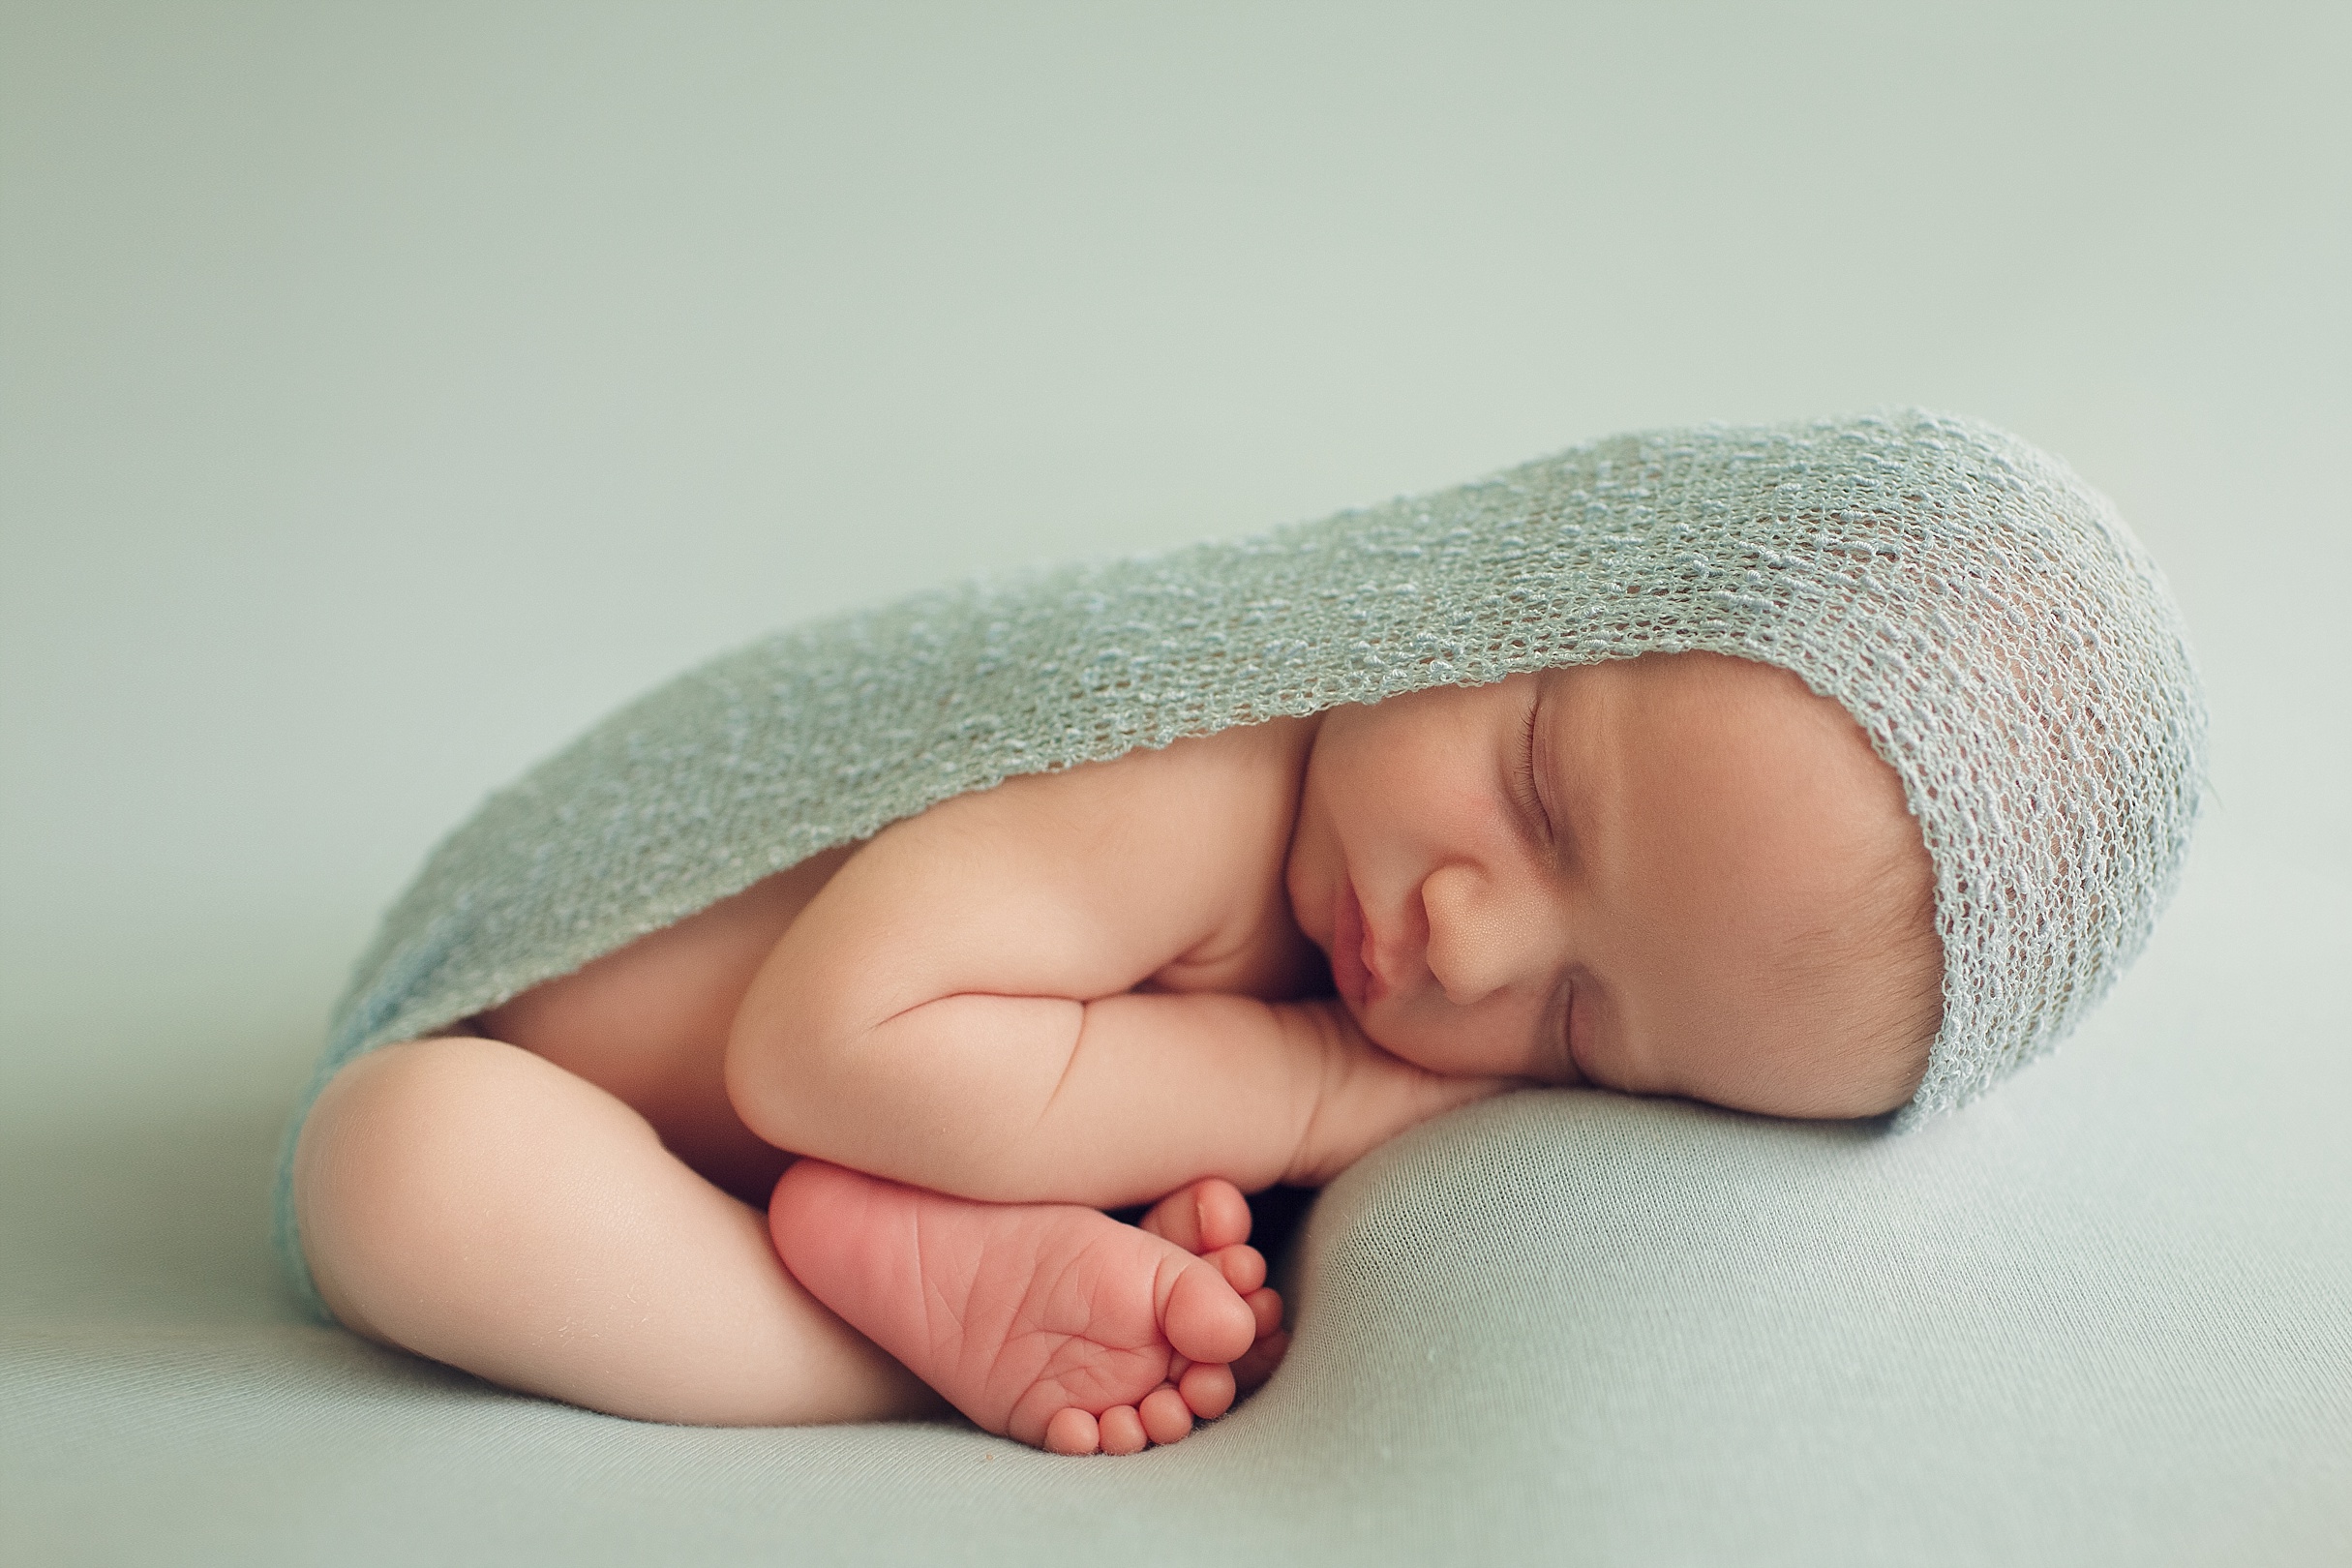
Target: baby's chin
{"type": "Point", "coordinates": [1389, 1041]}
{"type": "Point", "coordinates": [1368, 1028]}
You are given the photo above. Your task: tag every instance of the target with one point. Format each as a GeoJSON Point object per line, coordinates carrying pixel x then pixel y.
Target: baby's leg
{"type": "Point", "coordinates": [1052, 1323]}
{"type": "Point", "coordinates": [472, 1203]}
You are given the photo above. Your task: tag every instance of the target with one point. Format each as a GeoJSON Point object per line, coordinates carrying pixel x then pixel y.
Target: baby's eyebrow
{"type": "Point", "coordinates": [1579, 800]}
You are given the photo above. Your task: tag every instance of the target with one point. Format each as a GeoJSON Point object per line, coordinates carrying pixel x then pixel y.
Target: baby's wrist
{"type": "Point", "coordinates": [1324, 1039]}
{"type": "Point", "coordinates": [1363, 1095]}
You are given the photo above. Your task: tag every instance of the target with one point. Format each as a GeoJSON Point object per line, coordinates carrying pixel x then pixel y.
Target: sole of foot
{"type": "Point", "coordinates": [1050, 1323]}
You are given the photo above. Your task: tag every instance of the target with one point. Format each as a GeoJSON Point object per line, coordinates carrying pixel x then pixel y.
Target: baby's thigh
{"type": "Point", "coordinates": [412, 1149]}
{"type": "Point", "coordinates": [467, 1200]}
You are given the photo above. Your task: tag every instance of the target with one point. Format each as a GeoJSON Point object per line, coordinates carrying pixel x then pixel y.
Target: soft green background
{"type": "Point", "coordinates": [385, 392]}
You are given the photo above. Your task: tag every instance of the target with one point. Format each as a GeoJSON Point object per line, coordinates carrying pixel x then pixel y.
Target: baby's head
{"type": "Point", "coordinates": [1755, 917]}
{"type": "Point", "coordinates": [1679, 874]}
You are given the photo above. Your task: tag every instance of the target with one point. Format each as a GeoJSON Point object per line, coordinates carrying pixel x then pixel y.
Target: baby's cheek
{"type": "Point", "coordinates": [1435, 1039]}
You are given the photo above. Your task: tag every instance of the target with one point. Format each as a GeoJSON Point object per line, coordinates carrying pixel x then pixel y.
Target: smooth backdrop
{"type": "Point", "coordinates": [387, 391]}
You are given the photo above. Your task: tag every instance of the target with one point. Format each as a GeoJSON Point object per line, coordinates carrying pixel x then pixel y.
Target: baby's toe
{"type": "Point", "coordinates": [1166, 1417]}
{"type": "Point", "coordinates": [1123, 1430]}
{"type": "Point", "coordinates": [1202, 1218]}
{"type": "Point", "coordinates": [1205, 1319]}
{"type": "Point", "coordinates": [1207, 1391]}
{"type": "Point", "coordinates": [1073, 1432]}
{"type": "Point", "coordinates": [1265, 1308]}
{"type": "Point", "coordinates": [1223, 1213]}
{"type": "Point", "coordinates": [1244, 1268]}
{"type": "Point", "coordinates": [1264, 1356]}
{"type": "Point", "coordinates": [1176, 1219]}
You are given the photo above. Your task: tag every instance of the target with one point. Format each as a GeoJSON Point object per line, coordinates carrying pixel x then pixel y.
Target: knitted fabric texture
{"type": "Point", "coordinates": [1987, 618]}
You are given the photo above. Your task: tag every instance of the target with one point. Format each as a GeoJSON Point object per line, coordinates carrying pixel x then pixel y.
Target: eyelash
{"type": "Point", "coordinates": [1567, 1041]}
{"type": "Point", "coordinates": [1532, 797]}
{"type": "Point", "coordinates": [1525, 777]}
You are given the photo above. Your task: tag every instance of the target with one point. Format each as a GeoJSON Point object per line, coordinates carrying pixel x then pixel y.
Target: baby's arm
{"type": "Point", "coordinates": [955, 1012]}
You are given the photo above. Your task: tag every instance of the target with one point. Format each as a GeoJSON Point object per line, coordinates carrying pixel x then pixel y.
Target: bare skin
{"type": "Point", "coordinates": [1052, 1323]}
{"type": "Point", "coordinates": [1089, 989]}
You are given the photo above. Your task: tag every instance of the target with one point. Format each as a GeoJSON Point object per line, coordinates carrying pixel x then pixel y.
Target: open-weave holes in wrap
{"type": "Point", "coordinates": [1984, 614]}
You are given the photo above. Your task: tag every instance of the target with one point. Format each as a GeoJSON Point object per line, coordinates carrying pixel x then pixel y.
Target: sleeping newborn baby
{"type": "Point", "coordinates": [1811, 770]}
{"type": "Point", "coordinates": [1681, 875]}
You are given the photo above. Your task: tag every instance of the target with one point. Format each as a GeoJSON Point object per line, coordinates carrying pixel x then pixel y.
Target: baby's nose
{"type": "Point", "coordinates": [1485, 934]}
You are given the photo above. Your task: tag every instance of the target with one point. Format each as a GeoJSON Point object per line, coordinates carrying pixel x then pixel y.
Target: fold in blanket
{"type": "Point", "coordinates": [1985, 615]}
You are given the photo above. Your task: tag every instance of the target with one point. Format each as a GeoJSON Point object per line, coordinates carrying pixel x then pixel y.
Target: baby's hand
{"type": "Point", "coordinates": [1367, 1097]}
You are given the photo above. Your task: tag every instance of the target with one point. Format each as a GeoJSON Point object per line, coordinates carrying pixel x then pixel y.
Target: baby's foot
{"type": "Point", "coordinates": [1052, 1323]}
{"type": "Point", "coordinates": [1211, 1219]}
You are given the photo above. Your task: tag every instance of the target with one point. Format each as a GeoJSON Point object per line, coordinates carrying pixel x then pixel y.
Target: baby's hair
{"type": "Point", "coordinates": [1888, 934]}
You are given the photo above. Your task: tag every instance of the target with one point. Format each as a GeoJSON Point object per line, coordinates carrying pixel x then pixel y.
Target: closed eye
{"type": "Point", "coordinates": [1555, 1060]}
{"type": "Point", "coordinates": [1531, 797]}
{"type": "Point", "coordinates": [1570, 1070]}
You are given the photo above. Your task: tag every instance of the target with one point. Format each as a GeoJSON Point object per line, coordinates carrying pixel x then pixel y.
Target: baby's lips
{"type": "Point", "coordinates": [1351, 972]}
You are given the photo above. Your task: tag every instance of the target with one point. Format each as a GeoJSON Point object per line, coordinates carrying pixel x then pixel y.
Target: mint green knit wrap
{"type": "Point", "coordinates": [1984, 614]}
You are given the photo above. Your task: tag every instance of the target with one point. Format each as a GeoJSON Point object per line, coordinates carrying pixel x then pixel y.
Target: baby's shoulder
{"type": "Point", "coordinates": [1172, 859]}
{"type": "Point", "coordinates": [1252, 769]}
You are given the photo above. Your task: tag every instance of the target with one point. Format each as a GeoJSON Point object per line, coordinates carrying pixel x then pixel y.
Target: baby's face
{"type": "Point", "coordinates": [1676, 875]}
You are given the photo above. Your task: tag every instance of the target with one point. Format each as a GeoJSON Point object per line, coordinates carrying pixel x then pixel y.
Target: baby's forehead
{"type": "Point", "coordinates": [1702, 702]}
{"type": "Point", "coordinates": [1731, 770]}
{"type": "Point", "coordinates": [1669, 706]}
